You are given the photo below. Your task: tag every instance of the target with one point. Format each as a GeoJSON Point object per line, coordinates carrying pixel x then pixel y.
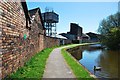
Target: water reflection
{"type": "Point", "coordinates": [76, 52]}
{"type": "Point", "coordinates": [90, 56]}
{"type": "Point", "coordinates": [109, 62]}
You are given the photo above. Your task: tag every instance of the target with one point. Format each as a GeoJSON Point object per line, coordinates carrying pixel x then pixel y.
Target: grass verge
{"type": "Point", "coordinates": [34, 68]}
{"type": "Point", "coordinates": [79, 71]}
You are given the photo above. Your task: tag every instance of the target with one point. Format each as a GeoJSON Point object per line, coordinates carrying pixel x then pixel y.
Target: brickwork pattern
{"type": "Point", "coordinates": [50, 42]}
{"type": "Point", "coordinates": [17, 43]}
{"type": "Point", "coordinates": [13, 23]}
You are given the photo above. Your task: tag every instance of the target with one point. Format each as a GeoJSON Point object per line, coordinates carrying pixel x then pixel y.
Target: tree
{"type": "Point", "coordinates": [109, 28]}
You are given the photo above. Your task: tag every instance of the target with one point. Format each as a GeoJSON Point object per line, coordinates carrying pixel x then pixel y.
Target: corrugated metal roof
{"type": "Point", "coordinates": [60, 36]}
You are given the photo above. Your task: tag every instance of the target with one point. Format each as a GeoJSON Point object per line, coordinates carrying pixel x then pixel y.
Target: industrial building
{"type": "Point", "coordinates": [75, 29]}
{"type": "Point", "coordinates": [75, 32]}
{"type": "Point", "coordinates": [23, 35]}
{"type": "Point", "coordinates": [93, 37]}
{"type": "Point", "coordinates": [50, 19]}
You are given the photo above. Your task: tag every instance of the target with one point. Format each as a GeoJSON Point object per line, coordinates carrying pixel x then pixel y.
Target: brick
{"type": "Point", "coordinates": [15, 48]}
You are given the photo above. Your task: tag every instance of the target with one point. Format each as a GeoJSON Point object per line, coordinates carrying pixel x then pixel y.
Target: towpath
{"type": "Point", "coordinates": [56, 66]}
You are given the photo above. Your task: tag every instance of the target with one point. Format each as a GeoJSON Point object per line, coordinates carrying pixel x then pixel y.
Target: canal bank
{"type": "Point", "coordinates": [57, 66]}
{"type": "Point", "coordinates": [35, 67]}
{"type": "Point", "coordinates": [78, 69]}
{"type": "Point", "coordinates": [93, 55]}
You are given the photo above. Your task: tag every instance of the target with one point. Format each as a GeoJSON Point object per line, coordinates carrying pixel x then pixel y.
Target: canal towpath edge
{"type": "Point", "coordinates": [58, 72]}
{"type": "Point", "coordinates": [56, 67]}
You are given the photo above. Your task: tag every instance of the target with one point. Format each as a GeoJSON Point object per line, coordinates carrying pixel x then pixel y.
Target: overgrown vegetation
{"type": "Point", "coordinates": [34, 68]}
{"type": "Point", "coordinates": [80, 72]}
{"type": "Point", "coordinates": [109, 29]}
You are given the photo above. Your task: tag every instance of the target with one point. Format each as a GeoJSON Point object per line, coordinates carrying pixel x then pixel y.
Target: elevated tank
{"type": "Point", "coordinates": [50, 17]}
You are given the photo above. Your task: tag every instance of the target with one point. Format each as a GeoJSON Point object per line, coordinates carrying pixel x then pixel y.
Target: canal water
{"type": "Point", "coordinates": [93, 55]}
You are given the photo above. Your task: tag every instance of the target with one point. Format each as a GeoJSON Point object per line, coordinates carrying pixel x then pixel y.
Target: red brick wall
{"type": "Point", "coordinates": [13, 23]}
{"type": "Point", "coordinates": [17, 43]}
{"type": "Point", "coordinates": [67, 41]}
{"type": "Point", "coordinates": [50, 42]}
{"type": "Point", "coordinates": [41, 42]}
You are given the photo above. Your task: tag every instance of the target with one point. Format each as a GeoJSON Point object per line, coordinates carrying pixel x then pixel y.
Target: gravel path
{"type": "Point", "coordinates": [56, 66]}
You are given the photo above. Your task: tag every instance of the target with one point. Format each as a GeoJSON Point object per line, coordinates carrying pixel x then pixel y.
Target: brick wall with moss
{"type": "Point", "coordinates": [17, 43]}
{"type": "Point", "coordinates": [20, 39]}
{"type": "Point", "coordinates": [13, 23]}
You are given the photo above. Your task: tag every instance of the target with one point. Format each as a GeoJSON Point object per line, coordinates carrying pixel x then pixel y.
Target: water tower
{"type": "Point", "coordinates": [50, 19]}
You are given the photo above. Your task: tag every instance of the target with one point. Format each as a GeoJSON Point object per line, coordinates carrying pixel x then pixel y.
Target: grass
{"type": "Point", "coordinates": [34, 68]}
{"type": "Point", "coordinates": [74, 45]}
{"type": "Point", "coordinates": [79, 71]}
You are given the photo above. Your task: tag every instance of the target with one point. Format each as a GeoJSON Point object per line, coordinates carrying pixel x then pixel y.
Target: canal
{"type": "Point", "coordinates": [94, 55]}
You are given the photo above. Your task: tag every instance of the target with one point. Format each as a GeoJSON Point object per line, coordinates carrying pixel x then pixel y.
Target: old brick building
{"type": "Point", "coordinates": [22, 35]}
{"type": "Point", "coordinates": [14, 21]}
{"type": "Point", "coordinates": [37, 26]}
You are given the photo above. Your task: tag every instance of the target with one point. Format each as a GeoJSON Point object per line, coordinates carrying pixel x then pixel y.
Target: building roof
{"type": "Point", "coordinates": [60, 36]}
{"type": "Point", "coordinates": [68, 36]}
{"type": "Point", "coordinates": [25, 9]}
{"type": "Point", "coordinates": [85, 35]}
{"type": "Point", "coordinates": [33, 12]}
{"type": "Point", "coordinates": [92, 35]}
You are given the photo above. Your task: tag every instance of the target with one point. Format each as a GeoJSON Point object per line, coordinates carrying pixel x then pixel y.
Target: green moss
{"type": "Point", "coordinates": [80, 72]}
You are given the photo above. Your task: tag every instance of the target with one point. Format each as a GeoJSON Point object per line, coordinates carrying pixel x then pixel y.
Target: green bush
{"type": "Point", "coordinates": [112, 39]}
{"type": "Point", "coordinates": [109, 29]}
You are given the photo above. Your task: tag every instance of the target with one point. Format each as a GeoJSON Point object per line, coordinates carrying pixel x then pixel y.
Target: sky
{"type": "Point", "coordinates": [88, 15]}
